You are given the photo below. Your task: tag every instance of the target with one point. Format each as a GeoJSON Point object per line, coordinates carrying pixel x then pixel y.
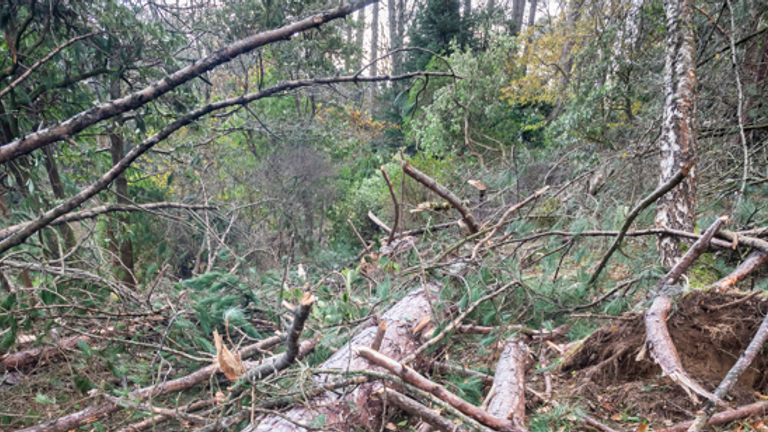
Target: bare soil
{"type": "Point", "coordinates": [605, 373]}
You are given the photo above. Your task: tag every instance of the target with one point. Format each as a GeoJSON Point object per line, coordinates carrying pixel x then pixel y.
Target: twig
{"type": "Point", "coordinates": [365, 245]}
{"type": "Point", "coordinates": [380, 331]}
{"type": "Point", "coordinates": [291, 349]}
{"type": "Point", "coordinates": [279, 303]}
{"type": "Point", "coordinates": [412, 377]}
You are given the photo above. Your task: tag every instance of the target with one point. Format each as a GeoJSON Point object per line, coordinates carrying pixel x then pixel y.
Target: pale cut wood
{"type": "Point", "coordinates": [508, 401]}
{"type": "Point", "coordinates": [356, 410]}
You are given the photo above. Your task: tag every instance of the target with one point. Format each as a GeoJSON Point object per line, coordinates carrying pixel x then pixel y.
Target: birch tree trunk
{"type": "Point", "coordinates": [677, 209]}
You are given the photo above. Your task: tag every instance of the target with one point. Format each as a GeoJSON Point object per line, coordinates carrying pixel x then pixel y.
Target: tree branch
{"type": "Point", "coordinates": [137, 99]}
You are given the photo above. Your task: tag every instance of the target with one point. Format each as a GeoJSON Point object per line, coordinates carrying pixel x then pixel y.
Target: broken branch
{"type": "Point", "coordinates": [439, 189]}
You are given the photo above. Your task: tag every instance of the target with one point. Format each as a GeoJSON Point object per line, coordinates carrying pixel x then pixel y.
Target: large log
{"type": "Point", "coordinates": [508, 400]}
{"type": "Point", "coordinates": [357, 410]}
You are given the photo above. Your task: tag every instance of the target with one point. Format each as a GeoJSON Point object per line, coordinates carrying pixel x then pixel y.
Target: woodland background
{"type": "Point", "coordinates": [292, 175]}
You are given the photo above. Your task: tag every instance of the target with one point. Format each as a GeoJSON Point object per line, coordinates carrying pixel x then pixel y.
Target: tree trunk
{"type": "Point", "coordinates": [394, 37]}
{"type": "Point", "coordinates": [677, 209]}
{"type": "Point", "coordinates": [468, 9]}
{"type": "Point", "coordinates": [518, 11]}
{"type": "Point", "coordinates": [122, 246]}
{"type": "Point", "coordinates": [374, 48]}
{"type": "Point", "coordinates": [58, 191]}
{"type": "Point", "coordinates": [356, 409]}
{"type": "Point", "coordinates": [359, 37]}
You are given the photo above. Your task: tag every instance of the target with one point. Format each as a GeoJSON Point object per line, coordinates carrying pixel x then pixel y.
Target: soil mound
{"type": "Point", "coordinates": [710, 331]}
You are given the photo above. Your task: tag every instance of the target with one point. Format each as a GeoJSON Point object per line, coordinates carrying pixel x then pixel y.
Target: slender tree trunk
{"type": "Point", "coordinates": [360, 42]}
{"type": "Point", "coordinates": [122, 243]}
{"type": "Point", "coordinates": [394, 37]}
{"type": "Point", "coordinates": [374, 48]}
{"type": "Point", "coordinates": [677, 209]}
{"type": "Point", "coordinates": [348, 39]}
{"type": "Point", "coordinates": [467, 9]}
{"type": "Point", "coordinates": [531, 21]}
{"type": "Point", "coordinates": [532, 15]}
{"type": "Point", "coordinates": [58, 191]}
{"type": "Point", "coordinates": [518, 12]}
{"type": "Point", "coordinates": [359, 39]}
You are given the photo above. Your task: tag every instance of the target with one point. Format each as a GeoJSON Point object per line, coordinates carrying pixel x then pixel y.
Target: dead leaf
{"type": "Point", "coordinates": [229, 363]}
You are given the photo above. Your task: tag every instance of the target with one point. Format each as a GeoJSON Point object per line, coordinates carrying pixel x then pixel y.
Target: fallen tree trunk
{"type": "Point", "coordinates": [356, 410]}
{"type": "Point", "coordinates": [508, 400]}
{"type": "Point", "coordinates": [103, 410]}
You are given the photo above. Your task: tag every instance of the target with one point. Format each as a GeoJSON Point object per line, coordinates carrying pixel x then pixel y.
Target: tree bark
{"type": "Point", "coordinates": [677, 210]}
{"type": "Point", "coordinates": [518, 12]}
{"type": "Point", "coordinates": [57, 186]}
{"type": "Point", "coordinates": [360, 39]}
{"type": "Point", "coordinates": [394, 36]}
{"type": "Point", "coordinates": [508, 400]}
{"type": "Point", "coordinates": [357, 410]}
